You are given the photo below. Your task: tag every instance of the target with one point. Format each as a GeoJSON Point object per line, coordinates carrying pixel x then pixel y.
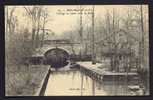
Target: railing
{"type": "Point", "coordinates": [43, 85]}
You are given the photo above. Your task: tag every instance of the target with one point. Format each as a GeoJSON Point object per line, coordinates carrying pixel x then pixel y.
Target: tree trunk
{"type": "Point", "coordinates": [42, 41]}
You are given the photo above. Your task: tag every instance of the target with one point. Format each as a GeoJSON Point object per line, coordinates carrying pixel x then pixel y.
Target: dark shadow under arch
{"type": "Point", "coordinates": [56, 57]}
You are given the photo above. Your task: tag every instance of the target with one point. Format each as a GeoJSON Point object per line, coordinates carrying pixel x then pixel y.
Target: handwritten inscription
{"type": "Point", "coordinates": [74, 11]}
{"type": "Point", "coordinates": [76, 89]}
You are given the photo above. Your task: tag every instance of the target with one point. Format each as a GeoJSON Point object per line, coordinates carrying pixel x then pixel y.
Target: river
{"type": "Point", "coordinates": [76, 83]}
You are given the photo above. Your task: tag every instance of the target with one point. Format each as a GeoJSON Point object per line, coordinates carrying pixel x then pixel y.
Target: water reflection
{"type": "Point", "coordinates": [76, 83]}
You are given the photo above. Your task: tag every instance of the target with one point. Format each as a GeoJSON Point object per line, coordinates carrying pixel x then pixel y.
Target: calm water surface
{"type": "Point", "coordinates": [75, 83]}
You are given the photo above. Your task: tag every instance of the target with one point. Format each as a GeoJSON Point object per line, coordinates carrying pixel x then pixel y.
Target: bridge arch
{"type": "Point", "coordinates": [63, 48]}
{"type": "Point", "coordinates": [57, 57]}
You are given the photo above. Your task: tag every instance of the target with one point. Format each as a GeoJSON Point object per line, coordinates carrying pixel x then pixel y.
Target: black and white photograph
{"type": "Point", "coordinates": [77, 50]}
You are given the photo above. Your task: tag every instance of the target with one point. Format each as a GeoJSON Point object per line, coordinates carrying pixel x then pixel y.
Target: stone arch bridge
{"type": "Point", "coordinates": [72, 49]}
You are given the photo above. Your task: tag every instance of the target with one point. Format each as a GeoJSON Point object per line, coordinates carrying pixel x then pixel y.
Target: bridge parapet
{"type": "Point", "coordinates": [67, 48]}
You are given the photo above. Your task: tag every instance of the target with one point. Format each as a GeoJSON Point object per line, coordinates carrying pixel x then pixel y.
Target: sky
{"type": "Point", "coordinates": [59, 23]}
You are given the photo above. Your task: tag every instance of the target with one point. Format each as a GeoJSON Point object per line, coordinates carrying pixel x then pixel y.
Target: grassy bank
{"type": "Point", "coordinates": [23, 80]}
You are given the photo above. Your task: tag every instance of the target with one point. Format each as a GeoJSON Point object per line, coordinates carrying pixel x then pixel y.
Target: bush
{"type": "Point", "coordinates": [144, 76]}
{"type": "Point", "coordinates": [17, 75]}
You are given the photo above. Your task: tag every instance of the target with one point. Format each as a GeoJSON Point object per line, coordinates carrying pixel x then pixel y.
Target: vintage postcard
{"type": "Point", "coordinates": [77, 50]}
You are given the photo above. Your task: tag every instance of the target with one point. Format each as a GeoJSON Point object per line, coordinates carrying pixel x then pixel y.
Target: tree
{"type": "Point", "coordinates": [35, 13]}
{"type": "Point", "coordinates": [11, 21]}
{"type": "Point", "coordinates": [45, 20]}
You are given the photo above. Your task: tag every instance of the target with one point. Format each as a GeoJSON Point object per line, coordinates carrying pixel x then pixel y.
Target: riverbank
{"type": "Point", "coordinates": [103, 69]}
{"type": "Point", "coordinates": [101, 73]}
{"type": "Point", "coordinates": [25, 81]}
